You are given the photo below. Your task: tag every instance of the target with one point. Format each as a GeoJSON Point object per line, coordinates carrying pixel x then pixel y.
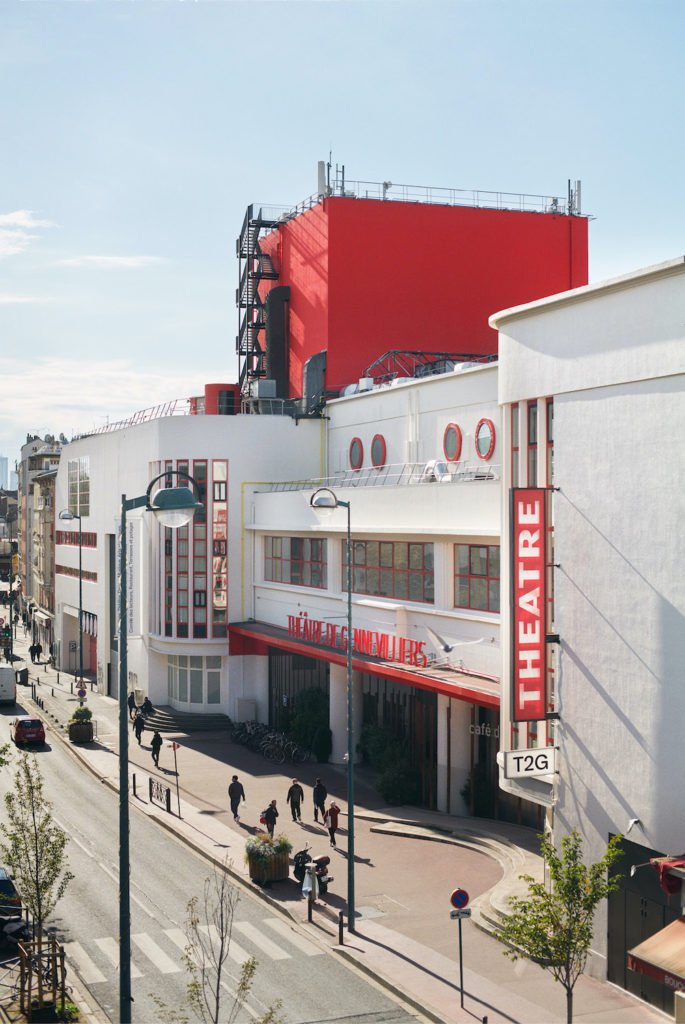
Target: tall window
{"type": "Point", "coordinates": [515, 445]}
{"type": "Point", "coordinates": [397, 569]}
{"type": "Point", "coordinates": [297, 560]}
{"type": "Point", "coordinates": [532, 444]}
{"type": "Point", "coordinates": [550, 442]}
{"type": "Point", "coordinates": [194, 680]}
{"type": "Point", "coordinates": [78, 479]}
{"type": "Point", "coordinates": [182, 565]}
{"type": "Point", "coordinates": [168, 566]}
{"type": "Point", "coordinates": [219, 548]}
{"type": "Point", "coordinates": [200, 553]}
{"type": "Point", "coordinates": [476, 577]}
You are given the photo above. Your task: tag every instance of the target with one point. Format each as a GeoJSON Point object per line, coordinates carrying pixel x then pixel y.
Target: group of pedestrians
{"type": "Point", "coordinates": [295, 798]}
{"type": "Point", "coordinates": [35, 653]}
{"type": "Point", "coordinates": [137, 715]}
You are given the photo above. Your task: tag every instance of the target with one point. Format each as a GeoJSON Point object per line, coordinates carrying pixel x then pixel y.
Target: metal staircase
{"type": "Point", "coordinates": [254, 266]}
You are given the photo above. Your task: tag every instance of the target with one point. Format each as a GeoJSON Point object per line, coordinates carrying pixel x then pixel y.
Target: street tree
{"type": "Point", "coordinates": [208, 929]}
{"type": "Point", "coordinates": [553, 926]}
{"type": "Point", "coordinates": [33, 845]}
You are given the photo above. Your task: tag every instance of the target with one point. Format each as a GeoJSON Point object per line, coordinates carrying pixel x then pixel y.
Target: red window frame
{"type": "Point", "coordinates": [533, 434]}
{"type": "Point", "coordinates": [274, 554]}
{"type": "Point", "coordinates": [200, 628]}
{"type": "Point", "coordinates": [459, 440]}
{"type": "Point", "coordinates": [487, 578]}
{"type": "Point", "coordinates": [515, 446]}
{"type": "Point", "coordinates": [482, 423]}
{"type": "Point", "coordinates": [378, 463]}
{"type": "Point", "coordinates": [388, 567]}
{"type": "Point", "coordinates": [356, 463]}
{"type": "Point", "coordinates": [183, 592]}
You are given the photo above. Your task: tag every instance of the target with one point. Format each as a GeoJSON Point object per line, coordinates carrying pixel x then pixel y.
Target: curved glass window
{"type": "Point", "coordinates": [378, 451]}
{"type": "Point", "coordinates": [356, 453]}
{"type": "Point", "coordinates": [485, 439]}
{"type": "Point", "coordinates": [451, 442]}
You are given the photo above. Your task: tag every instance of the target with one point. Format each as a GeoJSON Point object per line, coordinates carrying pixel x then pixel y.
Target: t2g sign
{"type": "Point", "coordinates": [530, 763]}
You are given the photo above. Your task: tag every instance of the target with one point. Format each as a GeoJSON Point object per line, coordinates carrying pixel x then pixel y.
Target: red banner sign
{"type": "Point", "coordinates": [528, 570]}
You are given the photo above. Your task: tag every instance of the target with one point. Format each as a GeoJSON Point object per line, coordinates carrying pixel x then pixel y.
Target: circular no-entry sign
{"type": "Point", "coordinates": [459, 899]}
{"type": "Point", "coordinates": [81, 693]}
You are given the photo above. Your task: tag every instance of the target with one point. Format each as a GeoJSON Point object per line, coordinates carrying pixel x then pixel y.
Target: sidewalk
{"type": "Point", "coordinates": [407, 862]}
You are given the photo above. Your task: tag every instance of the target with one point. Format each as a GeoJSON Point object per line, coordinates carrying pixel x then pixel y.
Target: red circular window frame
{"type": "Point", "coordinates": [360, 462]}
{"type": "Point", "coordinates": [460, 439]}
{"type": "Point", "coordinates": [379, 463]}
{"type": "Point", "coordinates": [488, 454]}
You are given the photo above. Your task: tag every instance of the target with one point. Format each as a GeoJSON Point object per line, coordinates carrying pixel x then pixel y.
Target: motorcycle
{"type": "Point", "coordinates": [300, 861]}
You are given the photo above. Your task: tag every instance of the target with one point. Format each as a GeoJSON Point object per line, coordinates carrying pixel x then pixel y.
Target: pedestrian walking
{"type": "Point", "coordinates": [236, 793]}
{"type": "Point", "coordinates": [330, 820]}
{"type": "Point", "coordinates": [294, 798]}
{"type": "Point", "coordinates": [132, 706]}
{"type": "Point", "coordinates": [39, 652]}
{"type": "Point", "coordinates": [156, 744]}
{"type": "Point", "coordinates": [138, 726]}
{"type": "Point", "coordinates": [270, 815]}
{"type": "Point", "coordinates": [32, 653]}
{"type": "Point", "coordinates": [319, 793]}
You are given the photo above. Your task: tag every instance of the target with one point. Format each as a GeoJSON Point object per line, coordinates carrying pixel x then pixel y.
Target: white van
{"type": "Point", "coordinates": [8, 685]}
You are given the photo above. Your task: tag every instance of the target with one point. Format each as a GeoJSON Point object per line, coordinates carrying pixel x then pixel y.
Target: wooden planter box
{"type": "Point", "coordinates": [81, 732]}
{"type": "Point", "coordinates": [275, 869]}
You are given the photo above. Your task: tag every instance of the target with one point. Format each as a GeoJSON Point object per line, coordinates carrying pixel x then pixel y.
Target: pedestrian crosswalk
{"type": "Point", "coordinates": [272, 939]}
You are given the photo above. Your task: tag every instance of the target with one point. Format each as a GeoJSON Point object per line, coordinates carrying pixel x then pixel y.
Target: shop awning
{"type": "Point", "coordinates": [256, 637]}
{"type": "Point", "coordinates": [662, 956]}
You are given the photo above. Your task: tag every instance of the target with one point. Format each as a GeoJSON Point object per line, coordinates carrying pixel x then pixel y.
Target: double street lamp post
{"type": "Point", "coordinates": [324, 500]}
{"type": "Point", "coordinates": [174, 507]}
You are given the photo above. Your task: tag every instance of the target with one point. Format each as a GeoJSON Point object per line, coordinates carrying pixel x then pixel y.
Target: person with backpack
{"type": "Point", "coordinates": [138, 726]}
{"type": "Point", "coordinates": [319, 793]}
{"type": "Point", "coordinates": [269, 818]}
{"type": "Point", "coordinates": [236, 793]}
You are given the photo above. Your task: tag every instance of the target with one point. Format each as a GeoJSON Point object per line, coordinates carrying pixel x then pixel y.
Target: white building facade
{"type": "Point", "coordinates": [592, 395]}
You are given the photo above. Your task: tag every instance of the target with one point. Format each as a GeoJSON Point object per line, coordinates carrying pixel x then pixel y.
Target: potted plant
{"type": "Point", "coordinates": [268, 859]}
{"type": "Point", "coordinates": [81, 726]}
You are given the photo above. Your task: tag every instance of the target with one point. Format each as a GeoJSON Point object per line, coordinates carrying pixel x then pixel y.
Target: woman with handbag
{"type": "Point", "coordinates": [268, 818]}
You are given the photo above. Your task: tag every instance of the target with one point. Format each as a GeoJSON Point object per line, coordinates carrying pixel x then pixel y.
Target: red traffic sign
{"type": "Point", "coordinates": [459, 899]}
{"type": "Point", "coordinates": [174, 746]}
{"type": "Point", "coordinates": [2, 622]}
{"type": "Point", "coordinates": [81, 693]}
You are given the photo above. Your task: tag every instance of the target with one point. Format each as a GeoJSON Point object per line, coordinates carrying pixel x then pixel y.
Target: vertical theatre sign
{"type": "Point", "coordinates": [529, 602]}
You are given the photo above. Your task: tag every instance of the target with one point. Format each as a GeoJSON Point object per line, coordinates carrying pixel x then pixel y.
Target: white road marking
{"type": "Point", "coordinates": [147, 945]}
{"type": "Point", "coordinates": [180, 939]}
{"type": "Point", "coordinates": [261, 942]}
{"type": "Point", "coordinates": [110, 947]}
{"type": "Point", "coordinates": [84, 965]}
{"type": "Point", "coordinates": [284, 931]}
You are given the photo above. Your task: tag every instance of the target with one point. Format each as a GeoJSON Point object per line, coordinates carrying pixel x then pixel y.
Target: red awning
{"type": "Point", "coordinates": [461, 685]}
{"type": "Point", "coordinates": [670, 873]}
{"type": "Point", "coordinates": [662, 956]}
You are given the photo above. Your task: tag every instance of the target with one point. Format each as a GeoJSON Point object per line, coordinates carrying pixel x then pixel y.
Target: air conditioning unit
{"type": "Point", "coordinates": [435, 471]}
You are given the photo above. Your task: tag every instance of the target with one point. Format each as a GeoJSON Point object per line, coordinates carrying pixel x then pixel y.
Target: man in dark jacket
{"type": "Point", "coordinates": [319, 793]}
{"type": "Point", "coordinates": [156, 745]}
{"type": "Point", "coordinates": [236, 793]}
{"type": "Point", "coordinates": [294, 798]}
{"type": "Point", "coordinates": [138, 726]}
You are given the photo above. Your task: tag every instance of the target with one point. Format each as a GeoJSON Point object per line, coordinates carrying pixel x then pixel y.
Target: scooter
{"type": "Point", "coordinates": [300, 861]}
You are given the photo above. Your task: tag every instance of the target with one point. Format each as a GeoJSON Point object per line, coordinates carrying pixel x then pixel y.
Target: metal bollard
{"type": "Point", "coordinates": [341, 929]}
{"type": "Point", "coordinates": [71, 687]}
{"type": "Point", "coordinates": [133, 777]}
{"type": "Point", "coordinates": [53, 691]}
{"type": "Point", "coordinates": [58, 678]}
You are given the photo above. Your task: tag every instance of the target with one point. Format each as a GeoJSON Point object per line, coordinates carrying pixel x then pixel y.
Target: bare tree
{"type": "Point", "coordinates": [208, 928]}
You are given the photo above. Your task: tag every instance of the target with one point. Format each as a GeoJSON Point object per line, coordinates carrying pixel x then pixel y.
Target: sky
{"type": "Point", "coordinates": [135, 133]}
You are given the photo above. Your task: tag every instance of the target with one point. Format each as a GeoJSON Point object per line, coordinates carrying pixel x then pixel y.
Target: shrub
{"type": "Point", "coordinates": [262, 847]}
{"type": "Point", "coordinates": [322, 744]}
{"type": "Point", "coordinates": [311, 713]}
{"type": "Point", "coordinates": [81, 714]}
{"type": "Point", "coordinates": [400, 783]}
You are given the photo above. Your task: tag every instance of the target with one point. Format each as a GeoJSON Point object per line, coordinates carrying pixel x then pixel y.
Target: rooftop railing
{"type": "Point", "coordinates": [406, 474]}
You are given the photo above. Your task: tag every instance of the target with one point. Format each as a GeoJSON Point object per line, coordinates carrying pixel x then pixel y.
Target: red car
{"type": "Point", "coordinates": [27, 729]}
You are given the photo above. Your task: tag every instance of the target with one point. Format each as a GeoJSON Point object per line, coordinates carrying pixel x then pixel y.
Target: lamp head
{"type": "Point", "coordinates": [174, 506]}
{"type": "Point", "coordinates": [324, 500]}
{"type": "Point", "coordinates": [67, 514]}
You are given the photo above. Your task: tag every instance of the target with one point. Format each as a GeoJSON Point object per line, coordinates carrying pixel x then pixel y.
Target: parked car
{"type": "Point", "coordinates": [10, 901]}
{"type": "Point", "coordinates": [27, 729]}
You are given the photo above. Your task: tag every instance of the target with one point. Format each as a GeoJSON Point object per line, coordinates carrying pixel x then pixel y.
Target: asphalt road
{"type": "Point", "coordinates": [313, 985]}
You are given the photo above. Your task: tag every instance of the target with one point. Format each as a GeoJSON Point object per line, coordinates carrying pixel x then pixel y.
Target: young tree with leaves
{"type": "Point", "coordinates": [553, 927]}
{"type": "Point", "coordinates": [209, 927]}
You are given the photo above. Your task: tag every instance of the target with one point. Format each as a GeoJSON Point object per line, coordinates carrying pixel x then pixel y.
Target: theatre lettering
{"type": "Point", "coordinates": [364, 641]}
{"type": "Point", "coordinates": [529, 603]}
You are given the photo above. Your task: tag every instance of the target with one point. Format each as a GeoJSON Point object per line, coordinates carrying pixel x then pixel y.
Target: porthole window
{"type": "Point", "coordinates": [485, 439]}
{"type": "Point", "coordinates": [451, 442]}
{"type": "Point", "coordinates": [378, 451]}
{"type": "Point", "coordinates": [356, 453]}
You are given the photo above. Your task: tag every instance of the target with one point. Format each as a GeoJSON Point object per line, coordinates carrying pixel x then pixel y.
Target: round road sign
{"type": "Point", "coordinates": [459, 899]}
{"type": "Point", "coordinates": [81, 693]}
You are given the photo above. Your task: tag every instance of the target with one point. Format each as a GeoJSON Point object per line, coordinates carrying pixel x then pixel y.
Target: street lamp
{"type": "Point", "coordinates": [325, 500]}
{"type": "Point", "coordinates": [174, 507]}
{"type": "Point", "coordinates": [68, 516]}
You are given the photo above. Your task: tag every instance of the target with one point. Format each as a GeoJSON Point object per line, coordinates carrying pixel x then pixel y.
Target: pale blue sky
{"type": "Point", "coordinates": [135, 134]}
